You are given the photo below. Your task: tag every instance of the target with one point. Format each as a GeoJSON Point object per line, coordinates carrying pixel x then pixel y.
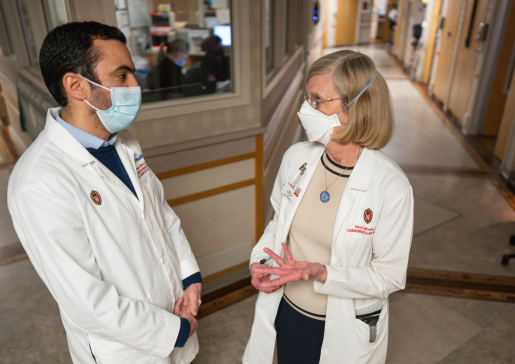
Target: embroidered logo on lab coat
{"type": "Point", "coordinates": [95, 197]}
{"type": "Point", "coordinates": [141, 166]}
{"type": "Point", "coordinates": [368, 215]}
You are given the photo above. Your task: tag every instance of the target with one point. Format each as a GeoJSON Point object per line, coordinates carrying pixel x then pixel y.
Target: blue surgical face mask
{"type": "Point", "coordinates": [126, 103]}
{"type": "Point", "coordinates": [181, 64]}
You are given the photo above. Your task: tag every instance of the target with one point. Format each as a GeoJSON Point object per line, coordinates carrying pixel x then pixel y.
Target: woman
{"type": "Point", "coordinates": [349, 230]}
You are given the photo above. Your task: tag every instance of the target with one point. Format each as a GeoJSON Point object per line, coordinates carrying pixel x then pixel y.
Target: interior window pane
{"type": "Point", "coordinates": [55, 13]}
{"type": "Point", "coordinates": [181, 48]}
{"type": "Point", "coordinates": [29, 31]}
{"type": "Point", "coordinates": [287, 27]}
{"type": "Point", "coordinates": [269, 35]}
{"type": "Point", "coordinates": [5, 43]}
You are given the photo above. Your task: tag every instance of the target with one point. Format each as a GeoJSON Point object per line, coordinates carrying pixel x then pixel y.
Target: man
{"type": "Point", "coordinates": [167, 74]}
{"type": "Point", "coordinates": [92, 216]}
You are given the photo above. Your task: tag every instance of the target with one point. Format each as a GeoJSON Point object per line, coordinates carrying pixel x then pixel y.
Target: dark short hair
{"type": "Point", "coordinates": [69, 48]}
{"type": "Point", "coordinates": [178, 45]}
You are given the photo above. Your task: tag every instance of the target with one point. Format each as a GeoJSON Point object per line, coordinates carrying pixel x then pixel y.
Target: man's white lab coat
{"type": "Point", "coordinates": [368, 260]}
{"type": "Point", "coordinates": [113, 262]}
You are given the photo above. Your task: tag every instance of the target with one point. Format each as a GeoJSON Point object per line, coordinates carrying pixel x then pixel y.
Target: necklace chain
{"type": "Point", "coordinates": [325, 196]}
{"type": "Point", "coordinates": [325, 173]}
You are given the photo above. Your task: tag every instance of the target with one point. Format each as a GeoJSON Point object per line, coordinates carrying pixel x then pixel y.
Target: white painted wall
{"type": "Point", "coordinates": [332, 9]}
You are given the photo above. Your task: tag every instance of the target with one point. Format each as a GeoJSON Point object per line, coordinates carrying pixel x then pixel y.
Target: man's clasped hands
{"type": "Point", "coordinates": [187, 306]}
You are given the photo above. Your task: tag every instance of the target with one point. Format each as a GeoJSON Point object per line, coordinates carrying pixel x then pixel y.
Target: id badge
{"type": "Point", "coordinates": [291, 191]}
{"type": "Point", "coordinates": [291, 188]}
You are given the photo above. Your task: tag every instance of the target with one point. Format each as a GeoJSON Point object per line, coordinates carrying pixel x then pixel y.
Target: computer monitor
{"type": "Point", "coordinates": [224, 32]}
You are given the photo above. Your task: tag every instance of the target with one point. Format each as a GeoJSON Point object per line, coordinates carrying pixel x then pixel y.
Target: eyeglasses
{"type": "Point", "coordinates": [315, 102]}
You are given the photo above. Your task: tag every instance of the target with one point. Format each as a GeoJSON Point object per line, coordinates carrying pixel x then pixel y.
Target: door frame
{"type": "Point", "coordinates": [497, 15]}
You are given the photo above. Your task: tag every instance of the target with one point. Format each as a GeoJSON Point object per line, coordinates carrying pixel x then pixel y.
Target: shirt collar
{"type": "Point", "coordinates": [86, 139]}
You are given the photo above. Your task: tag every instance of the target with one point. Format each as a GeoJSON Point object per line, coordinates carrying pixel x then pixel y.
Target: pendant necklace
{"type": "Point", "coordinates": [325, 196]}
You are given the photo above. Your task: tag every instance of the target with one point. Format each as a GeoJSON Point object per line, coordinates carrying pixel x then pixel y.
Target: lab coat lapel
{"type": "Point", "coordinates": [359, 180]}
{"type": "Point", "coordinates": [76, 151]}
{"type": "Point", "coordinates": [311, 159]}
{"type": "Point", "coordinates": [65, 141]}
{"type": "Point", "coordinates": [106, 174]}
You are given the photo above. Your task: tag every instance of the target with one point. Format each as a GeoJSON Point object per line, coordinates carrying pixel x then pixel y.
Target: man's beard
{"type": "Point", "coordinates": [101, 100]}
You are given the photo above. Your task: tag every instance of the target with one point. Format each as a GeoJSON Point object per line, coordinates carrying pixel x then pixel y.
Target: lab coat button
{"type": "Point", "coordinates": [326, 351]}
{"type": "Point", "coordinates": [335, 261]}
{"type": "Point", "coordinates": [163, 260]}
{"type": "Point", "coordinates": [330, 323]}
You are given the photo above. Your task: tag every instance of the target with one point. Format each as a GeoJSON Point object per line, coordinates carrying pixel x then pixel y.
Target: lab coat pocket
{"type": "Point", "coordinates": [358, 251]}
{"type": "Point", "coordinates": [366, 352]}
{"type": "Point", "coordinates": [111, 352]}
{"type": "Point", "coordinates": [149, 191]}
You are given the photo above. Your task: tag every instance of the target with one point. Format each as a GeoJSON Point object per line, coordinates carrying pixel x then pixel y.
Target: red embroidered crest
{"type": "Point", "coordinates": [95, 197]}
{"type": "Point", "coordinates": [368, 215]}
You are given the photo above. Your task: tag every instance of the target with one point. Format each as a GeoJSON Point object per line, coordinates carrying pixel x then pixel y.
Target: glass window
{"type": "Point", "coordinates": [28, 16]}
{"type": "Point", "coordinates": [36, 19]}
{"type": "Point", "coordinates": [181, 48]}
{"type": "Point", "coordinates": [55, 13]}
{"type": "Point", "coordinates": [269, 35]}
{"type": "Point", "coordinates": [5, 43]}
{"type": "Point", "coordinates": [287, 34]}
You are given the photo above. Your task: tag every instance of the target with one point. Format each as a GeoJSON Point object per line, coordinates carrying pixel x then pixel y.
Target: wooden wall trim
{"type": "Point", "coordinates": [212, 192]}
{"type": "Point", "coordinates": [200, 167]}
{"type": "Point", "coordinates": [211, 306]}
{"type": "Point", "coordinates": [225, 272]}
{"type": "Point", "coordinates": [461, 277]}
{"type": "Point", "coordinates": [460, 292]}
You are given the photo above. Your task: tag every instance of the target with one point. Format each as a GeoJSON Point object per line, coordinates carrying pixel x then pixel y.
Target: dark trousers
{"type": "Point", "coordinates": [299, 338]}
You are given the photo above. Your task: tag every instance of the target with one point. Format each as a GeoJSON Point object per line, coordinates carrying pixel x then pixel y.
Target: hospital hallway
{"type": "Point", "coordinates": [463, 220]}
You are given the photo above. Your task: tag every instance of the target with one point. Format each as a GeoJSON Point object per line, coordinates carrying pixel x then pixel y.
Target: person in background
{"type": "Point", "coordinates": [214, 66]}
{"type": "Point", "coordinates": [392, 16]}
{"type": "Point", "coordinates": [92, 215]}
{"type": "Point", "coordinates": [167, 73]}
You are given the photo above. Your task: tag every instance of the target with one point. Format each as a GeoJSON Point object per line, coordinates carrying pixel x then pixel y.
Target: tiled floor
{"type": "Point", "coordinates": [423, 329]}
{"type": "Point", "coordinates": [462, 223]}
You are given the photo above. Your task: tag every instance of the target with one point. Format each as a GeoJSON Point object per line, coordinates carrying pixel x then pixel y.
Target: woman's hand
{"type": "Point", "coordinates": [291, 270]}
{"type": "Point", "coordinates": [259, 279]}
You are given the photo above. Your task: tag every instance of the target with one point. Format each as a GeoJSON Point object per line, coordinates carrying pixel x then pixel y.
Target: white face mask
{"type": "Point", "coordinates": [318, 126]}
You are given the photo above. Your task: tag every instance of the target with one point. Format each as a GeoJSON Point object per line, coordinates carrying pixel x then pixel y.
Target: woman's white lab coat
{"type": "Point", "coordinates": [113, 262]}
{"type": "Point", "coordinates": [368, 260]}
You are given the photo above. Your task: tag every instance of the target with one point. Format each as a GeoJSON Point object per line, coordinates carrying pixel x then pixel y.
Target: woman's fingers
{"type": "Point", "coordinates": [274, 256]}
{"type": "Point", "coordinates": [278, 282]}
{"type": "Point", "coordinates": [258, 284]}
{"type": "Point", "coordinates": [287, 253]}
{"type": "Point", "coordinates": [276, 271]}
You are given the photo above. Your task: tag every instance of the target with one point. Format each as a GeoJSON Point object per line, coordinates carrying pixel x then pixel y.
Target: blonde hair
{"type": "Point", "coordinates": [370, 117]}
